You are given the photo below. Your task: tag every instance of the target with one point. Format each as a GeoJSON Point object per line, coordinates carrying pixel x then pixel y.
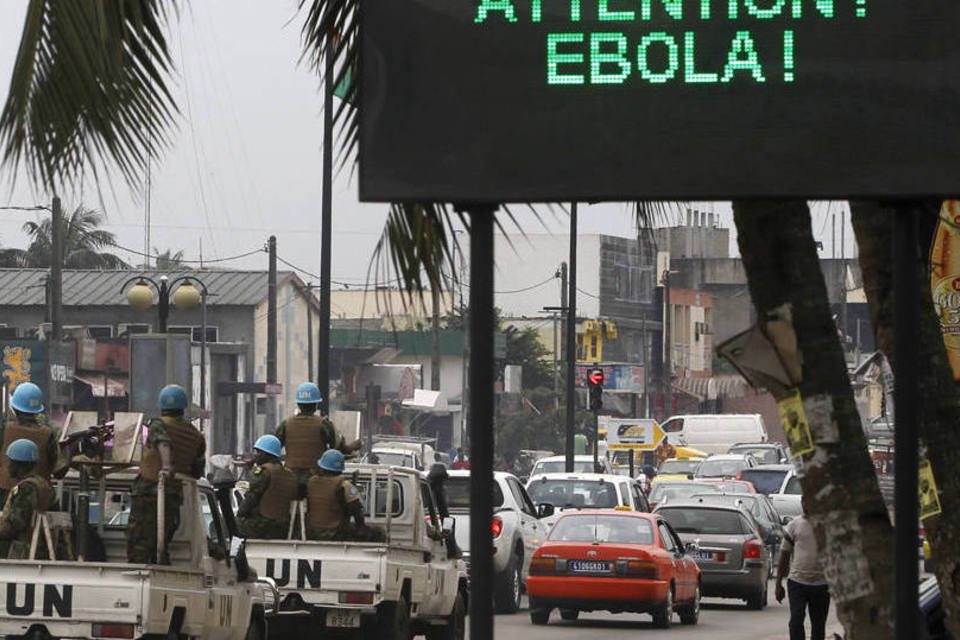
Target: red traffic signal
{"type": "Point", "coordinates": [595, 377]}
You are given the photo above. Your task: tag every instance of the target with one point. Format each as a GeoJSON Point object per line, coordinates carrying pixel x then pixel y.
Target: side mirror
{"type": "Point", "coordinates": [691, 548]}
{"type": "Point", "coordinates": [785, 519]}
{"type": "Point", "coordinates": [239, 556]}
{"type": "Point", "coordinates": [449, 525]}
{"type": "Point", "coordinates": [544, 510]}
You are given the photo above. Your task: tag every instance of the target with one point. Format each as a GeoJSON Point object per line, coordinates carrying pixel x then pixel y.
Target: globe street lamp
{"type": "Point", "coordinates": [185, 296]}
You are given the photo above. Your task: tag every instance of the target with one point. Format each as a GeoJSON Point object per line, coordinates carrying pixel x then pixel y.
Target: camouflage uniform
{"type": "Point", "coordinates": [265, 512]}
{"type": "Point", "coordinates": [30, 496]}
{"type": "Point", "coordinates": [330, 499]}
{"type": "Point", "coordinates": [303, 462]}
{"type": "Point", "coordinates": [48, 447]}
{"type": "Point", "coordinates": [142, 524]}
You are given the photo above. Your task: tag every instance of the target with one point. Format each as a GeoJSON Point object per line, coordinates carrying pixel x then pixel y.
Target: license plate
{"type": "Point", "coordinates": [712, 556]}
{"type": "Point", "coordinates": [588, 566]}
{"type": "Point", "coordinates": [339, 618]}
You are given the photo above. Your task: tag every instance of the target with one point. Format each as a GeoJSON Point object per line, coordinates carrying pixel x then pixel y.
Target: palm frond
{"type": "Point", "coordinates": [89, 86]}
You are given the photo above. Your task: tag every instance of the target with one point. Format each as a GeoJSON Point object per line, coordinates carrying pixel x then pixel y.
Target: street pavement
{"type": "Point", "coordinates": [720, 619]}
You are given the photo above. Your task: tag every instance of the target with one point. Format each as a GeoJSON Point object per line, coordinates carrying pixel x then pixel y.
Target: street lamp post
{"type": "Point", "coordinates": [185, 296]}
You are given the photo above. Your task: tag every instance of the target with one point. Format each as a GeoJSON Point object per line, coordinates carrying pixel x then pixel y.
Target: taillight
{"type": "Point", "coordinates": [752, 549]}
{"type": "Point", "coordinates": [112, 630]}
{"type": "Point", "coordinates": [543, 566]}
{"type": "Point", "coordinates": [637, 569]}
{"type": "Point", "coordinates": [496, 527]}
{"type": "Point", "coordinates": [356, 597]}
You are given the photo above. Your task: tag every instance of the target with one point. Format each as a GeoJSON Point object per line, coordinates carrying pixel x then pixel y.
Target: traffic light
{"type": "Point", "coordinates": [595, 383]}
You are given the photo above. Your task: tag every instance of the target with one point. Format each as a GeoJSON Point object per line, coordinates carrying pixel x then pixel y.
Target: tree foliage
{"type": "Point", "coordinates": [84, 244]}
{"type": "Point", "coordinates": [525, 349]}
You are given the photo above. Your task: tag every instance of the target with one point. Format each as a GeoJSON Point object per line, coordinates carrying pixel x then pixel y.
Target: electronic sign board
{"type": "Point", "coordinates": [556, 100]}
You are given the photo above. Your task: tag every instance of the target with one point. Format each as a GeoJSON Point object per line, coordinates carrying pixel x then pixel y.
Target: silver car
{"type": "Point", "coordinates": [734, 560]}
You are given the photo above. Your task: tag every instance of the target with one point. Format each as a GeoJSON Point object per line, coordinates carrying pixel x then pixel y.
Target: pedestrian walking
{"type": "Point", "coordinates": [801, 563]}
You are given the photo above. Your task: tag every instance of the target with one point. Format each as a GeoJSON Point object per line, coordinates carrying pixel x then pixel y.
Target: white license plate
{"type": "Point", "coordinates": [341, 619]}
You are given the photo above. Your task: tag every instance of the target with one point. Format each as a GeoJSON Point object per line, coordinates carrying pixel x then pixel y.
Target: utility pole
{"type": "Point", "coordinates": [272, 329]}
{"type": "Point", "coordinates": [309, 332]}
{"type": "Point", "coordinates": [326, 232]}
{"type": "Point", "coordinates": [56, 270]}
{"type": "Point", "coordinates": [571, 345]}
{"type": "Point", "coordinates": [435, 347]}
{"type": "Point", "coordinates": [842, 290]}
{"type": "Point", "coordinates": [668, 345]}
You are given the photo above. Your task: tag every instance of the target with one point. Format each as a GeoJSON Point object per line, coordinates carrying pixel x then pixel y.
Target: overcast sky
{"type": "Point", "coordinates": [246, 160]}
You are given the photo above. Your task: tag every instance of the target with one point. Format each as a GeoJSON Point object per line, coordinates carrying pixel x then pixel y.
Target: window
{"type": "Point", "coordinates": [668, 542]}
{"type": "Point", "coordinates": [100, 331]}
{"type": "Point", "coordinates": [793, 487]}
{"type": "Point", "coordinates": [521, 497]}
{"type": "Point", "coordinates": [458, 493]}
{"type": "Point", "coordinates": [131, 329]}
{"type": "Point", "coordinates": [576, 494]}
{"type": "Point", "coordinates": [216, 530]}
{"type": "Point", "coordinates": [624, 529]}
{"type": "Point", "coordinates": [196, 333]}
{"type": "Point", "coordinates": [672, 426]}
{"type": "Point", "coordinates": [380, 508]}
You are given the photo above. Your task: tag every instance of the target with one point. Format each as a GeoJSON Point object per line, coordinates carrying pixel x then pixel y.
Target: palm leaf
{"type": "Point", "coordinates": [89, 86]}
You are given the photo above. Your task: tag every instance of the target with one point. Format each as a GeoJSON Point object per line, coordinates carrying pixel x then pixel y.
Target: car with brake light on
{"type": "Point", "coordinates": [517, 530]}
{"type": "Point", "coordinates": [666, 492]}
{"type": "Point", "coordinates": [733, 558]}
{"type": "Point", "coordinates": [724, 465]}
{"type": "Point", "coordinates": [567, 492]}
{"type": "Point", "coordinates": [614, 561]}
{"type": "Point", "coordinates": [762, 510]}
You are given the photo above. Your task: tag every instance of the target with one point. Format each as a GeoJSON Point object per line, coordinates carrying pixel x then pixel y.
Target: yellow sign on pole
{"type": "Point", "coordinates": [794, 420]}
{"type": "Point", "coordinates": [929, 499]}
{"type": "Point", "coordinates": [945, 279]}
{"type": "Point", "coordinates": [633, 433]}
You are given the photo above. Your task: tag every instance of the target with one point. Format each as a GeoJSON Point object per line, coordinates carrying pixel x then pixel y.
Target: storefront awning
{"type": "Point", "coordinates": [100, 383]}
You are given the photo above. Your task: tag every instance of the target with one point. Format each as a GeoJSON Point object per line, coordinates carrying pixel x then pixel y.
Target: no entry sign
{"type": "Point", "coordinates": [528, 100]}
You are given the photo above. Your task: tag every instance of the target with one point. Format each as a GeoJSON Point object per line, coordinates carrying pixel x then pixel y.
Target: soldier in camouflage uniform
{"type": "Point", "coordinates": [265, 510]}
{"type": "Point", "coordinates": [332, 501]}
{"type": "Point", "coordinates": [173, 446]}
{"type": "Point", "coordinates": [31, 495]}
{"type": "Point", "coordinates": [306, 436]}
{"type": "Point", "coordinates": [28, 422]}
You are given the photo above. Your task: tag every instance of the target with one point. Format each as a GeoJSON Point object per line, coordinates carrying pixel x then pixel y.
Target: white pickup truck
{"type": "Point", "coordinates": [517, 531]}
{"type": "Point", "coordinates": [203, 593]}
{"type": "Point", "coordinates": [378, 590]}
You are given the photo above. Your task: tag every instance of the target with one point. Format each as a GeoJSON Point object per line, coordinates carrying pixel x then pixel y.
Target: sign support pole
{"type": "Point", "coordinates": [571, 339]}
{"type": "Point", "coordinates": [906, 460]}
{"type": "Point", "coordinates": [481, 326]}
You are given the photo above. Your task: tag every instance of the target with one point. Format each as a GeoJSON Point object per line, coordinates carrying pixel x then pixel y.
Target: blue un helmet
{"type": "Point", "coordinates": [331, 460]}
{"type": "Point", "coordinates": [23, 450]}
{"type": "Point", "coordinates": [308, 393]}
{"type": "Point", "coordinates": [268, 444]}
{"type": "Point", "coordinates": [173, 396]}
{"type": "Point", "coordinates": [27, 398]}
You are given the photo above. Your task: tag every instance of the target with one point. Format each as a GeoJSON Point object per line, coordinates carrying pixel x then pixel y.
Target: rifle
{"type": "Point", "coordinates": [91, 439]}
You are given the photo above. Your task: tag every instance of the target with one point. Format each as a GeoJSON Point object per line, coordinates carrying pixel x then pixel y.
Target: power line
{"type": "Point", "coordinates": [205, 261]}
{"type": "Point", "coordinates": [587, 293]}
{"type": "Point", "coordinates": [38, 207]}
{"type": "Point", "coordinates": [344, 283]}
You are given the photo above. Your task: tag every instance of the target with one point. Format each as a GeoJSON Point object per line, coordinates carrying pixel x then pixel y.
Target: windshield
{"type": "Point", "coordinates": [765, 480]}
{"type": "Point", "coordinates": [679, 466]}
{"type": "Point", "coordinates": [703, 520]}
{"type": "Point", "coordinates": [458, 493]}
{"type": "Point", "coordinates": [720, 468]}
{"type": "Point", "coordinates": [764, 455]}
{"type": "Point", "coordinates": [393, 459]}
{"type": "Point", "coordinates": [622, 529]}
{"type": "Point", "coordinates": [574, 494]}
{"type": "Point", "coordinates": [679, 491]}
{"type": "Point", "coordinates": [559, 466]}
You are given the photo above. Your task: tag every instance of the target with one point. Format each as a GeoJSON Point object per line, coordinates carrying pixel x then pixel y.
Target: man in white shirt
{"type": "Point", "coordinates": [807, 588]}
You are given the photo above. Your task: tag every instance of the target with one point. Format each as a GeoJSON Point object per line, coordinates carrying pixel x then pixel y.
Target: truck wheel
{"type": "Point", "coordinates": [506, 594]}
{"type": "Point", "coordinates": [393, 620]}
{"type": "Point", "coordinates": [456, 626]}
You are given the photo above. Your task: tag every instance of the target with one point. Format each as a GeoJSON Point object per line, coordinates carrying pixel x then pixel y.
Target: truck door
{"type": "Point", "coordinates": [228, 600]}
{"type": "Point", "coordinates": [435, 557]}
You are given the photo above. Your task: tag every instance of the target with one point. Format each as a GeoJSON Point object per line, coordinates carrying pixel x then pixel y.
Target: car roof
{"type": "Point", "coordinates": [728, 456]}
{"type": "Point", "coordinates": [773, 467]}
{"type": "Point", "coordinates": [685, 459]}
{"type": "Point", "coordinates": [608, 512]}
{"type": "Point", "coordinates": [684, 483]}
{"type": "Point", "coordinates": [573, 475]}
{"type": "Point", "coordinates": [465, 473]}
{"type": "Point", "coordinates": [687, 504]}
{"type": "Point", "coordinates": [761, 445]}
{"type": "Point", "coordinates": [728, 494]}
{"type": "Point", "coordinates": [577, 458]}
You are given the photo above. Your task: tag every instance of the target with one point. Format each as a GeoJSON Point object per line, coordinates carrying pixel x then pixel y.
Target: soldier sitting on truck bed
{"type": "Point", "coordinates": [28, 423]}
{"type": "Point", "coordinates": [32, 494]}
{"type": "Point", "coordinates": [332, 501]}
{"type": "Point", "coordinates": [265, 510]}
{"type": "Point", "coordinates": [173, 446]}
{"type": "Point", "coordinates": [306, 436]}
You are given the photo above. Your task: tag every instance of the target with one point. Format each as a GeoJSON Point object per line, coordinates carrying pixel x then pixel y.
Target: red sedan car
{"type": "Point", "coordinates": [617, 561]}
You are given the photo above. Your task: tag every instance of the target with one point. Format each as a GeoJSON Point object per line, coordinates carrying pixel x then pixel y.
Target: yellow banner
{"type": "Point", "coordinates": [794, 420]}
{"type": "Point", "coordinates": [945, 279]}
{"type": "Point", "coordinates": [929, 499]}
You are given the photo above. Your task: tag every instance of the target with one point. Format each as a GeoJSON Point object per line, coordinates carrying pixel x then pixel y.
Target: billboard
{"type": "Point", "coordinates": [547, 100]}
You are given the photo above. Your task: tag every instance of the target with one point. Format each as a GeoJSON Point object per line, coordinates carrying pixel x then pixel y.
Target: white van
{"type": "Point", "coordinates": [715, 433]}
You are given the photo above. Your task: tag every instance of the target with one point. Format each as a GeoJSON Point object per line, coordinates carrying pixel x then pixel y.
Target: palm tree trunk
{"type": "Point", "coordinates": [938, 407]}
{"type": "Point", "coordinates": [840, 489]}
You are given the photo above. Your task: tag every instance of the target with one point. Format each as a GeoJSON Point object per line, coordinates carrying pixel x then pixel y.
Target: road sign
{"type": "Point", "coordinates": [559, 100]}
{"type": "Point", "coordinates": [633, 433]}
